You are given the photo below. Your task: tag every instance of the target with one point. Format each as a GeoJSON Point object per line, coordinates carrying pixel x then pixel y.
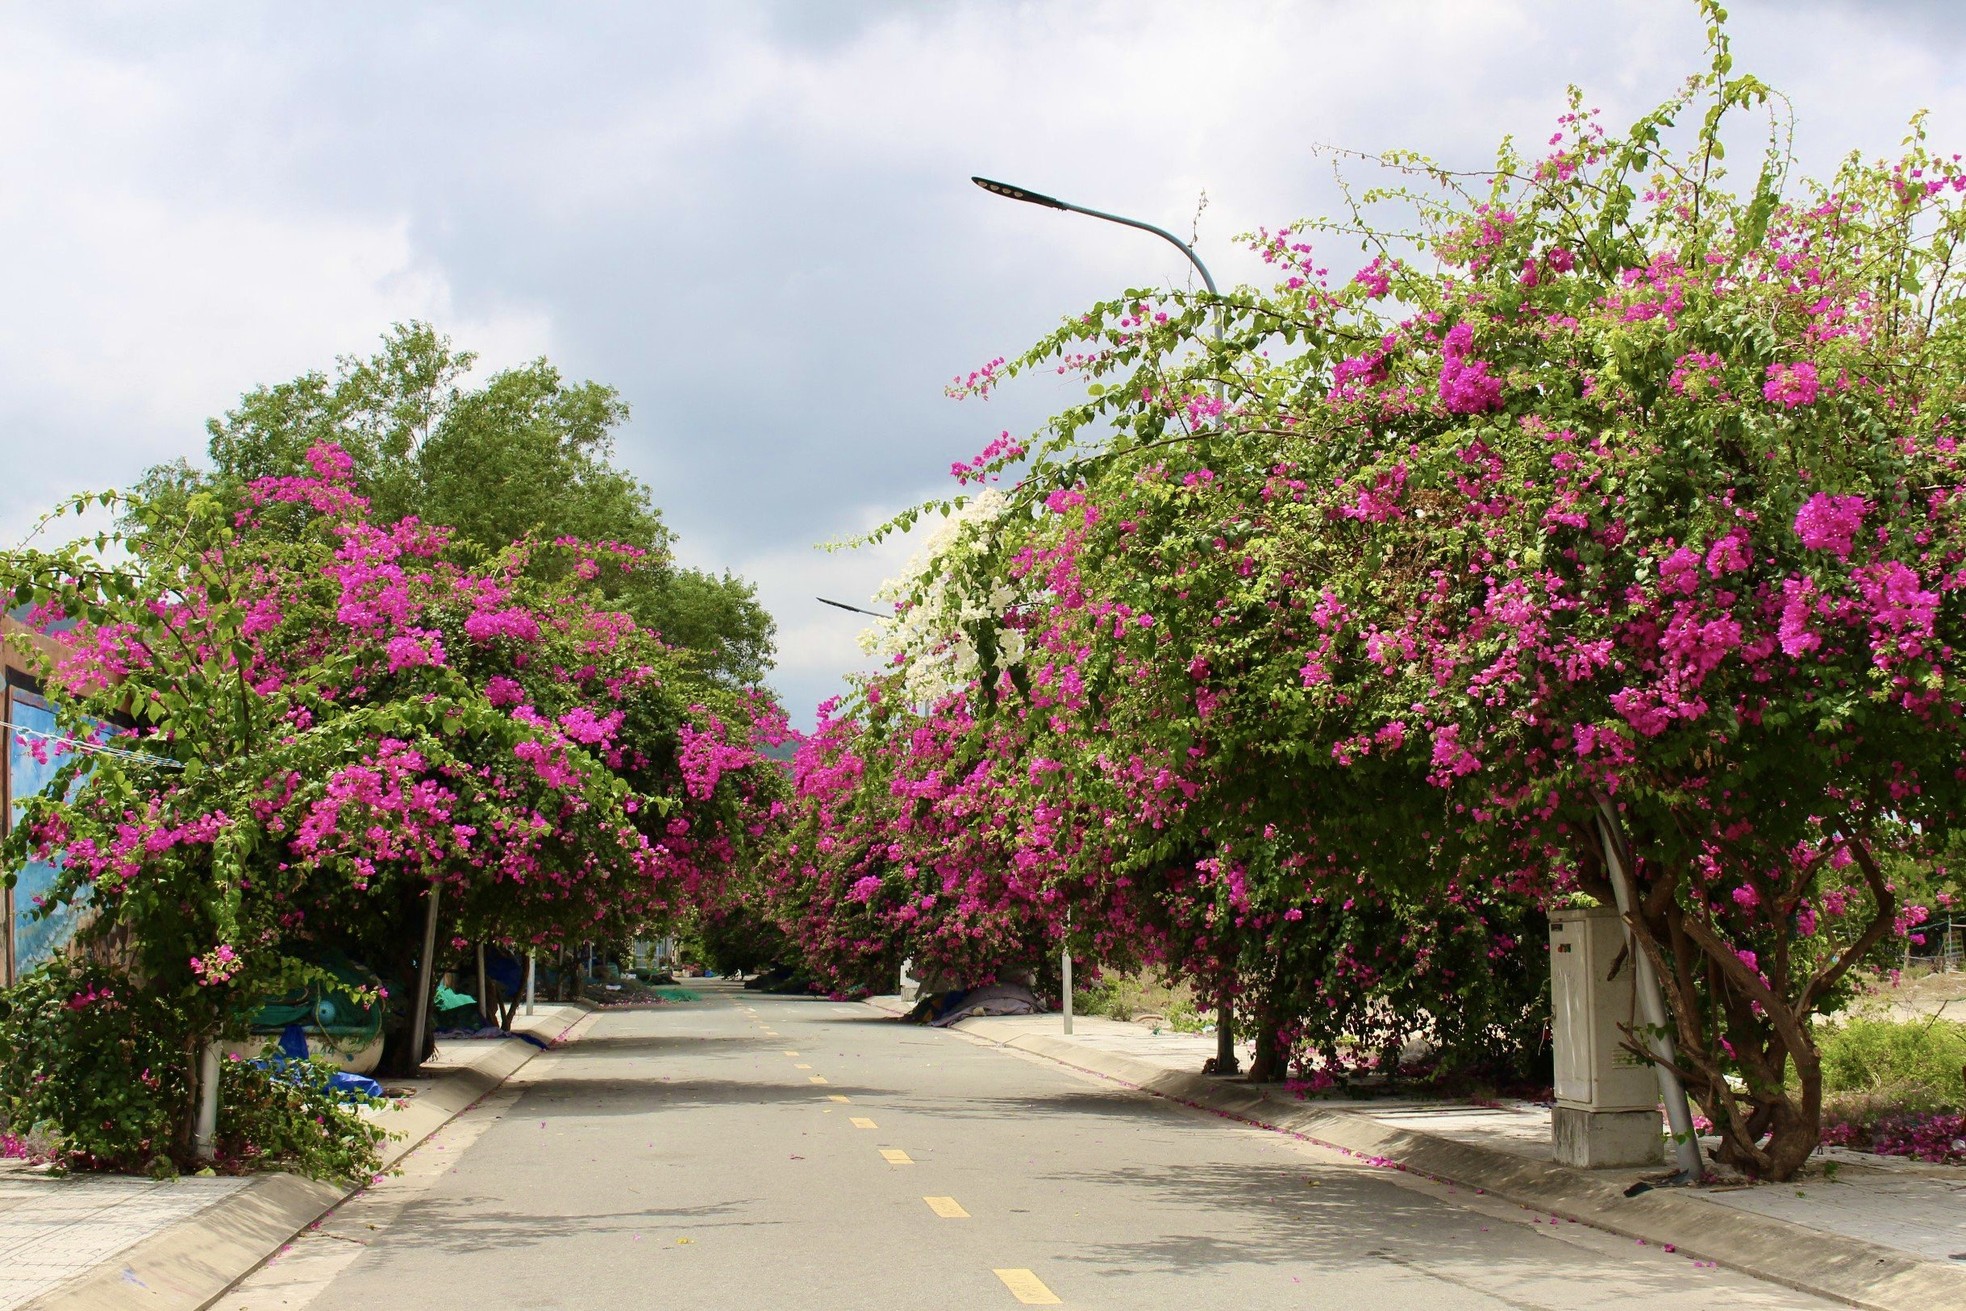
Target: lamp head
{"type": "Point", "coordinates": [1009, 192]}
{"type": "Point", "coordinates": [842, 605]}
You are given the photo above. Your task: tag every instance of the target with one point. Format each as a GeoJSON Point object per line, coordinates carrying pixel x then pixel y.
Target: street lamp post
{"type": "Point", "coordinates": [842, 605]}
{"type": "Point", "coordinates": [1225, 1034]}
{"type": "Point", "coordinates": [1009, 192]}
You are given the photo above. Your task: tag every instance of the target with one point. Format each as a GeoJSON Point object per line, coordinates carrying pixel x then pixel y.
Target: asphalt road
{"type": "Point", "coordinates": [744, 1153]}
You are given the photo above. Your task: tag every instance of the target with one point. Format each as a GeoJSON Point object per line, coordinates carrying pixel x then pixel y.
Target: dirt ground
{"type": "Point", "coordinates": [1918, 994]}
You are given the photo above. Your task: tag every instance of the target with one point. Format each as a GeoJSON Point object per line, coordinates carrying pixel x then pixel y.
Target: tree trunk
{"type": "Point", "coordinates": [1267, 1065]}
{"type": "Point", "coordinates": [398, 1062]}
{"type": "Point", "coordinates": [1766, 1132]}
{"type": "Point", "coordinates": [510, 1010]}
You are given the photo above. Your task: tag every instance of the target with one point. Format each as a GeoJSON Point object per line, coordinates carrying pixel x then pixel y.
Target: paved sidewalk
{"type": "Point", "coordinates": [52, 1230]}
{"type": "Point", "coordinates": [58, 1231]}
{"type": "Point", "coordinates": [1907, 1205]}
{"type": "Point", "coordinates": [1883, 1233]}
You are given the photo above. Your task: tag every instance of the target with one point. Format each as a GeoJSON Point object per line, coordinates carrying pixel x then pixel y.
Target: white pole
{"type": "Point", "coordinates": [426, 981]}
{"type": "Point", "coordinates": [204, 1133]}
{"type": "Point", "coordinates": [1065, 955]}
{"type": "Point", "coordinates": [1686, 1145]}
{"type": "Point", "coordinates": [531, 962]}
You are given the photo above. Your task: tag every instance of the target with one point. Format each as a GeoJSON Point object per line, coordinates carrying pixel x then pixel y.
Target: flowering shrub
{"type": "Point", "coordinates": [290, 1117]}
{"type": "Point", "coordinates": [933, 639]}
{"type": "Point", "coordinates": [1607, 509]}
{"type": "Point", "coordinates": [122, 1107]}
{"type": "Point", "coordinates": [336, 719]}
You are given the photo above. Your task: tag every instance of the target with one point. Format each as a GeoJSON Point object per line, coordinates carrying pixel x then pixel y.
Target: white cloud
{"type": "Point", "coordinates": [818, 645]}
{"type": "Point", "coordinates": [142, 302]}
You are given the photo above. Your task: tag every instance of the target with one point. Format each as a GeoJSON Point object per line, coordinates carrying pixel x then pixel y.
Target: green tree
{"type": "Point", "coordinates": [528, 453]}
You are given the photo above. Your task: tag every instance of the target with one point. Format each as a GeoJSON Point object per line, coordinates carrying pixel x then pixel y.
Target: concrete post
{"type": "Point", "coordinates": [1066, 961]}
{"type": "Point", "coordinates": [426, 981]}
{"type": "Point", "coordinates": [1652, 1005]}
{"type": "Point", "coordinates": [204, 1131]}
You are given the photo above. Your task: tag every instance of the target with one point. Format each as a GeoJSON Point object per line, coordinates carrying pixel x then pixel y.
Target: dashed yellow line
{"type": "Point", "coordinates": [1027, 1288]}
{"type": "Point", "coordinates": [802, 1066]}
{"type": "Point", "coordinates": [862, 1122]}
{"type": "Point", "coordinates": [816, 1078]}
{"type": "Point", "coordinates": [947, 1207]}
{"type": "Point", "coordinates": [895, 1156]}
{"type": "Point", "coordinates": [838, 1097]}
{"type": "Point", "coordinates": [791, 1053]}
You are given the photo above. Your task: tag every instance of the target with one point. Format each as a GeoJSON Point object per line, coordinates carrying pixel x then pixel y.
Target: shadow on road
{"type": "Point", "coordinates": [1220, 1215]}
{"type": "Point", "coordinates": [470, 1223]}
{"type": "Point", "coordinates": [669, 1044]}
{"type": "Point", "coordinates": [1120, 1105]}
{"type": "Point", "coordinates": [618, 1096]}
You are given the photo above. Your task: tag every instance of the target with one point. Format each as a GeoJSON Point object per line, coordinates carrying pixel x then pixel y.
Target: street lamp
{"type": "Point", "coordinates": [842, 605]}
{"type": "Point", "coordinates": [1225, 1035]}
{"type": "Point", "coordinates": [1009, 192]}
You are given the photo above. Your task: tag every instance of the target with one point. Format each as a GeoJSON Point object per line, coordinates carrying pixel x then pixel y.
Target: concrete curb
{"type": "Point", "coordinates": [1814, 1261]}
{"type": "Point", "coordinates": [197, 1260]}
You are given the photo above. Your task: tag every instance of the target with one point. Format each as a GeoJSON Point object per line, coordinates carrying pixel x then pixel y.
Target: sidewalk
{"type": "Point", "coordinates": [1881, 1235]}
{"type": "Point", "coordinates": [115, 1241]}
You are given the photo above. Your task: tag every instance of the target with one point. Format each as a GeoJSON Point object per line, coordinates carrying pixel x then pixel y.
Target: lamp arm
{"type": "Point", "coordinates": [1162, 233]}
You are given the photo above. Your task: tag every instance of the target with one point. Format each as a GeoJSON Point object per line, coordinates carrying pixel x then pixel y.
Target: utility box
{"type": "Point", "coordinates": [1607, 1099]}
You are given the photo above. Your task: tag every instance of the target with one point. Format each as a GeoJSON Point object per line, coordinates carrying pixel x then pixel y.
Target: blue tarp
{"type": "Point", "coordinates": [293, 1047]}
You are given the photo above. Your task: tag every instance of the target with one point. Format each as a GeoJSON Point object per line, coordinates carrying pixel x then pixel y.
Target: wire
{"type": "Point", "coordinates": [95, 748]}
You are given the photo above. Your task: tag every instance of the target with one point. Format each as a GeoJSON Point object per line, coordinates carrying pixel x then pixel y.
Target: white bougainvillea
{"type": "Point", "coordinates": [943, 601]}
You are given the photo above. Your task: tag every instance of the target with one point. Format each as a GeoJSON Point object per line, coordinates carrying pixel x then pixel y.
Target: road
{"type": "Point", "coordinates": [747, 1152]}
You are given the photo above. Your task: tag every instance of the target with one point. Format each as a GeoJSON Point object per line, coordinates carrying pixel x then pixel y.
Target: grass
{"type": "Point", "coordinates": [1919, 1064]}
{"type": "Point", "coordinates": [1895, 1086]}
{"type": "Point", "coordinates": [1143, 998]}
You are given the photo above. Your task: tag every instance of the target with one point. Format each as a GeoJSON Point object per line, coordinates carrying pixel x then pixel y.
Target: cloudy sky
{"type": "Point", "coordinates": [752, 217]}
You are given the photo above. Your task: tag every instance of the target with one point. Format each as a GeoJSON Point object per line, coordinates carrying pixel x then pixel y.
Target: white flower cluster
{"type": "Point", "coordinates": [943, 604]}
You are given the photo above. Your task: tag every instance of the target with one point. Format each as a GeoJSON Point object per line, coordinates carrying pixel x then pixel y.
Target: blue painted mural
{"type": "Point", "coordinates": [31, 765]}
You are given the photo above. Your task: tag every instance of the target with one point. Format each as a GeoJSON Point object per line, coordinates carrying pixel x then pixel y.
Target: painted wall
{"type": "Point", "coordinates": [31, 765]}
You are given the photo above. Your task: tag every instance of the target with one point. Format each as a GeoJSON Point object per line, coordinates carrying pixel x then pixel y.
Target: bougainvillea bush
{"type": "Point", "coordinates": [120, 1108]}
{"type": "Point", "coordinates": [1607, 511]}
{"type": "Point", "coordinates": [94, 1074]}
{"type": "Point", "coordinates": [332, 720]}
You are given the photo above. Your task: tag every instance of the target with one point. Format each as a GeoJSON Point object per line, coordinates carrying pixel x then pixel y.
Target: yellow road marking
{"type": "Point", "coordinates": [838, 1097]}
{"type": "Point", "coordinates": [802, 1066]}
{"type": "Point", "coordinates": [1027, 1288]}
{"type": "Point", "coordinates": [947, 1207]}
{"type": "Point", "coordinates": [815, 1078]}
{"type": "Point", "coordinates": [862, 1122]}
{"type": "Point", "coordinates": [791, 1053]}
{"type": "Point", "coordinates": [895, 1156]}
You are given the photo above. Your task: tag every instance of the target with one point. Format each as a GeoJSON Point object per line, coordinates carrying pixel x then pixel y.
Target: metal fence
{"type": "Point", "coordinates": [1945, 945]}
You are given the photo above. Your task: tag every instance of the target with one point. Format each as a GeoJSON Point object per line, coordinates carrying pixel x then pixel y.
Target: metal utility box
{"type": "Point", "coordinates": [1591, 998]}
{"type": "Point", "coordinates": [1607, 1100]}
